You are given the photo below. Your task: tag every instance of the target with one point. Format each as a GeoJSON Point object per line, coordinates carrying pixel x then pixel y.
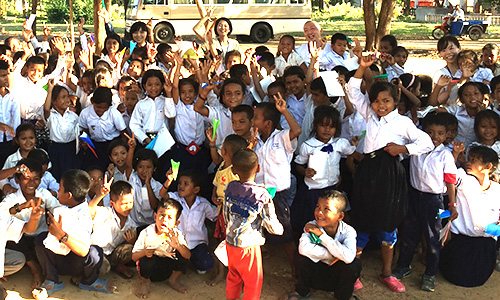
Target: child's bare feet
{"type": "Point", "coordinates": [142, 291]}
{"type": "Point", "coordinates": [37, 280]}
{"type": "Point", "coordinates": [176, 285]}
{"type": "Point", "coordinates": [217, 279]}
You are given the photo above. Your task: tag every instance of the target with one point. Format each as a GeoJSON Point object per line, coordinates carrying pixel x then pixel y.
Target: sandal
{"type": "Point", "coordinates": [98, 286]}
{"type": "Point", "coordinates": [54, 287]}
{"type": "Point", "coordinates": [296, 296]}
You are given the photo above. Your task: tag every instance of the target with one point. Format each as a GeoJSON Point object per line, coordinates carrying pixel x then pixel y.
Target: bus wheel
{"type": "Point", "coordinates": [163, 33]}
{"type": "Point", "coordinates": [261, 33]}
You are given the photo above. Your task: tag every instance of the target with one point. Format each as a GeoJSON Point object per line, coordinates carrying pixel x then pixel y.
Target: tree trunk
{"type": "Point", "coordinates": [99, 31]}
{"type": "Point", "coordinates": [71, 29]}
{"type": "Point", "coordinates": [407, 7]}
{"type": "Point", "coordinates": [321, 5]}
{"type": "Point", "coordinates": [370, 29]}
{"type": "Point", "coordinates": [384, 19]}
{"type": "Point", "coordinates": [34, 4]}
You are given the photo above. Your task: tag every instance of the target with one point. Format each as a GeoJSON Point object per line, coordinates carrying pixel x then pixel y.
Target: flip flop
{"type": "Point", "coordinates": [54, 286]}
{"type": "Point", "coordinates": [94, 286]}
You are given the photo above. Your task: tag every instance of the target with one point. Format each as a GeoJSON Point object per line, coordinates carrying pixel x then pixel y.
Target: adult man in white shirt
{"type": "Point", "coordinates": [312, 33]}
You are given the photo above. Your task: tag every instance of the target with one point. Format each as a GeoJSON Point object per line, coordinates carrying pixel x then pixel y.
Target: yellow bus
{"type": "Point", "coordinates": [259, 19]}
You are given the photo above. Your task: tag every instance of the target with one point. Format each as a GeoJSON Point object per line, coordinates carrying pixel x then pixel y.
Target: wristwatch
{"type": "Point", "coordinates": [64, 239]}
{"type": "Point", "coordinates": [16, 207]}
{"type": "Point", "coordinates": [452, 204]}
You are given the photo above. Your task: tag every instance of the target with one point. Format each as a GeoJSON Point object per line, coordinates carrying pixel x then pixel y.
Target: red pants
{"type": "Point", "coordinates": [245, 267]}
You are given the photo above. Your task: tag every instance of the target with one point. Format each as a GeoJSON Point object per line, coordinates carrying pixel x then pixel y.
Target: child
{"type": "Point", "coordinates": [294, 78]}
{"type": "Point", "coordinates": [11, 118]}
{"type": "Point", "coordinates": [135, 69]}
{"type": "Point", "coordinates": [129, 101]}
{"type": "Point", "coordinates": [396, 61]}
{"type": "Point", "coordinates": [387, 44]}
{"type": "Point", "coordinates": [247, 208]}
{"type": "Point", "coordinates": [161, 251]}
{"type": "Point", "coordinates": [286, 56]}
{"type": "Point", "coordinates": [146, 189]}
{"type": "Point", "coordinates": [489, 58]}
{"type": "Point", "coordinates": [319, 158]}
{"type": "Point", "coordinates": [63, 126]}
{"type": "Point", "coordinates": [224, 175]}
{"type": "Point", "coordinates": [448, 48]}
{"type": "Point", "coordinates": [468, 62]}
{"type": "Point", "coordinates": [66, 249]}
{"type": "Point", "coordinates": [486, 127]}
{"type": "Point", "coordinates": [240, 72]}
{"type": "Point", "coordinates": [431, 175]}
{"type": "Point", "coordinates": [267, 63]}
{"type": "Point", "coordinates": [275, 149]}
{"type": "Point", "coordinates": [121, 155]}
{"type": "Point", "coordinates": [469, 258]}
{"type": "Point", "coordinates": [112, 55]}
{"type": "Point", "coordinates": [85, 88]}
{"type": "Point", "coordinates": [330, 264]}
{"type": "Point", "coordinates": [95, 194]}
{"type": "Point", "coordinates": [379, 192]}
{"type": "Point", "coordinates": [14, 203]}
{"type": "Point", "coordinates": [26, 139]}
{"type": "Point", "coordinates": [48, 181]}
{"type": "Point", "coordinates": [195, 210]}
{"type": "Point", "coordinates": [339, 53]}
{"type": "Point", "coordinates": [409, 103]}
{"type": "Point", "coordinates": [103, 123]}
{"type": "Point", "coordinates": [113, 230]}
{"type": "Point", "coordinates": [151, 113]}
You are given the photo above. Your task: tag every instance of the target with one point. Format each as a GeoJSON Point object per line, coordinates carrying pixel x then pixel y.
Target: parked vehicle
{"type": "Point", "coordinates": [474, 28]}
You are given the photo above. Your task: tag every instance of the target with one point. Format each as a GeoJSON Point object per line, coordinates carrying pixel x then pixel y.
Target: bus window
{"type": "Point", "coordinates": [148, 2]}
{"type": "Point", "coordinates": [221, 1]}
{"type": "Point", "coordinates": [279, 2]}
{"type": "Point", "coordinates": [240, 1]}
{"type": "Point", "coordinates": [160, 2]}
{"type": "Point", "coordinates": [296, 1]}
{"type": "Point", "coordinates": [262, 1]}
{"type": "Point", "coordinates": [183, 2]}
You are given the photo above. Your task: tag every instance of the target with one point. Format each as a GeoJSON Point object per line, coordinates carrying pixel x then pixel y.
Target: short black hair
{"type": "Point", "coordinates": [237, 71]}
{"type": "Point", "coordinates": [120, 188]}
{"type": "Point", "coordinates": [379, 87]}
{"type": "Point", "coordinates": [437, 119]}
{"type": "Point", "coordinates": [445, 41]}
{"type": "Point", "coordinates": [4, 65]}
{"type": "Point", "coordinates": [33, 165]}
{"type": "Point", "coordinates": [163, 48]}
{"type": "Point", "coordinates": [494, 82]}
{"type": "Point", "coordinates": [469, 54]}
{"type": "Point", "coordinates": [389, 38]}
{"type": "Point", "coordinates": [102, 95]}
{"type": "Point", "coordinates": [270, 113]}
{"type": "Point", "coordinates": [341, 70]}
{"type": "Point", "coordinates": [287, 36]}
{"type": "Point", "coordinates": [485, 154]}
{"type": "Point", "coordinates": [294, 70]}
{"type": "Point", "coordinates": [170, 203]}
{"type": "Point", "coordinates": [451, 120]}
{"type": "Point", "coordinates": [228, 82]}
{"type": "Point", "coordinates": [338, 37]}
{"type": "Point", "coordinates": [244, 108]}
{"type": "Point", "coordinates": [39, 155]}
{"type": "Point", "coordinates": [245, 161]}
{"type": "Point", "coordinates": [25, 127]}
{"type": "Point", "coordinates": [99, 74]}
{"type": "Point", "coordinates": [398, 49]}
{"type": "Point", "coordinates": [116, 143]}
{"type": "Point", "coordinates": [115, 37]}
{"type": "Point", "coordinates": [145, 154]}
{"type": "Point", "coordinates": [76, 182]}
{"type": "Point", "coordinates": [233, 143]}
{"type": "Point", "coordinates": [194, 175]}
{"type": "Point", "coordinates": [277, 84]}
{"type": "Point", "coordinates": [340, 200]}
{"type": "Point", "coordinates": [227, 21]}
{"type": "Point", "coordinates": [490, 46]}
{"type": "Point", "coordinates": [465, 85]}
{"type": "Point", "coordinates": [191, 82]}
{"type": "Point", "coordinates": [230, 54]}
{"type": "Point", "coordinates": [267, 57]}
{"type": "Point", "coordinates": [94, 168]}
{"type": "Point", "coordinates": [329, 113]}
{"type": "Point", "coordinates": [138, 25]}
{"type": "Point", "coordinates": [153, 73]}
{"type": "Point", "coordinates": [35, 60]}
{"type": "Point", "coordinates": [260, 49]}
{"type": "Point", "coordinates": [486, 114]}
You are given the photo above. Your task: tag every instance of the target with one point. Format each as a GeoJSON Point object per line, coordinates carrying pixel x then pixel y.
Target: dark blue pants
{"type": "Point", "coordinates": [201, 258]}
{"type": "Point", "coordinates": [421, 218]}
{"type": "Point", "coordinates": [6, 149]}
{"type": "Point", "coordinates": [54, 265]}
{"type": "Point", "coordinates": [160, 268]}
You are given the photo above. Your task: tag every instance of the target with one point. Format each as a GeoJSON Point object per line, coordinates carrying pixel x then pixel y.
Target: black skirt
{"type": "Point", "coordinates": [468, 261]}
{"type": "Point", "coordinates": [380, 193]}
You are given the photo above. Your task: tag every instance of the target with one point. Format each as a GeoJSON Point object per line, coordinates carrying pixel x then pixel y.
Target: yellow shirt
{"type": "Point", "coordinates": [223, 176]}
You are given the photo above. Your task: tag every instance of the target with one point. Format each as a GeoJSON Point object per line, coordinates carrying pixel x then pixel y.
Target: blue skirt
{"type": "Point", "coordinates": [63, 157]}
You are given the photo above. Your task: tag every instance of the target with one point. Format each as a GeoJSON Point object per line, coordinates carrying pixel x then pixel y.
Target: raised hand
{"type": "Point", "coordinates": [254, 137]}
{"type": "Point", "coordinates": [357, 50]}
{"type": "Point", "coordinates": [105, 186]}
{"type": "Point", "coordinates": [210, 136]}
{"type": "Point", "coordinates": [131, 140]}
{"type": "Point", "coordinates": [37, 210]}
{"type": "Point", "coordinates": [7, 129]}
{"type": "Point", "coordinates": [58, 44]}
{"type": "Point", "coordinates": [313, 49]}
{"type": "Point", "coordinates": [458, 147]}
{"type": "Point", "coordinates": [367, 61]}
{"type": "Point", "coordinates": [111, 170]}
{"type": "Point", "coordinates": [104, 14]}
{"type": "Point", "coordinates": [280, 103]}
{"type": "Point", "coordinates": [80, 26]}
{"type": "Point", "coordinates": [444, 80]}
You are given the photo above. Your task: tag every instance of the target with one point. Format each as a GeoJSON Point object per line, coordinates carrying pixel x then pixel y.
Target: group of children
{"type": "Point", "coordinates": [108, 160]}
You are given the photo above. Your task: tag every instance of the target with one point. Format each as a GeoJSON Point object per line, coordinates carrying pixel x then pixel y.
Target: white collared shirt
{"type": "Point", "coordinates": [465, 132]}
{"type": "Point", "coordinates": [275, 155]}
{"type": "Point", "coordinates": [142, 213]}
{"type": "Point", "coordinates": [429, 171]}
{"type": "Point", "coordinates": [341, 246]}
{"type": "Point", "coordinates": [48, 182]}
{"type": "Point", "coordinates": [106, 230]}
{"type": "Point", "coordinates": [392, 128]}
{"type": "Point", "coordinates": [192, 220]}
{"type": "Point", "coordinates": [482, 74]}
{"type": "Point", "coordinates": [394, 71]}
{"type": "Point", "coordinates": [310, 152]}
{"type": "Point", "coordinates": [223, 114]}
{"type": "Point", "coordinates": [333, 59]}
{"type": "Point", "coordinates": [189, 125]}
{"type": "Point", "coordinates": [10, 114]}
{"type": "Point", "coordinates": [63, 128]}
{"type": "Point", "coordinates": [11, 230]}
{"type": "Point", "coordinates": [151, 115]}
{"type": "Point", "coordinates": [150, 239]}
{"type": "Point", "coordinates": [297, 107]}
{"type": "Point", "coordinates": [303, 51]}
{"type": "Point", "coordinates": [104, 128]}
{"type": "Point", "coordinates": [476, 208]}
{"type": "Point", "coordinates": [294, 59]}
{"type": "Point", "coordinates": [453, 98]}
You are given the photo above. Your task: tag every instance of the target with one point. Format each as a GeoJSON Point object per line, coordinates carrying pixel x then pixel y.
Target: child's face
{"type": "Point", "coordinates": [466, 64]}
{"type": "Point", "coordinates": [112, 46]}
{"type": "Point", "coordinates": [400, 58]}
{"type": "Point", "coordinates": [385, 47]}
{"type": "Point", "coordinates": [153, 87]}
{"type": "Point", "coordinates": [476, 167]}
{"type": "Point", "coordinates": [26, 140]}
{"type": "Point", "coordinates": [451, 133]}
{"type": "Point", "coordinates": [166, 219]}
{"type": "Point", "coordinates": [326, 213]}
{"type": "Point", "coordinates": [139, 36]}
{"type": "Point", "coordinates": [449, 54]}
{"type": "Point", "coordinates": [241, 123]}
{"type": "Point", "coordinates": [487, 130]}
{"type": "Point", "coordinates": [187, 94]}
{"type": "Point", "coordinates": [186, 187]}
{"type": "Point", "coordinates": [496, 92]}
{"type": "Point", "coordinates": [130, 100]}
{"type": "Point", "coordinates": [35, 72]}
{"type": "Point", "coordinates": [121, 88]}
{"type": "Point", "coordinates": [258, 119]}
{"type": "Point", "coordinates": [62, 195]}
{"type": "Point", "coordinates": [340, 47]}
{"type": "Point", "coordinates": [286, 46]}
{"type": "Point", "coordinates": [96, 180]}
{"type": "Point", "coordinates": [325, 130]}
{"type": "Point", "coordinates": [28, 185]}
{"type": "Point", "coordinates": [294, 85]}
{"type": "Point", "coordinates": [437, 134]}
{"type": "Point", "coordinates": [490, 57]}
{"type": "Point", "coordinates": [246, 78]}
{"type": "Point", "coordinates": [135, 69]}
{"type": "Point", "coordinates": [100, 108]}
{"type": "Point", "coordinates": [233, 95]}
{"type": "Point", "coordinates": [472, 97]}
{"type": "Point", "coordinates": [319, 98]}
{"type": "Point", "coordinates": [145, 169]}
{"type": "Point", "coordinates": [118, 156]}
{"type": "Point", "coordinates": [274, 91]}
{"type": "Point", "coordinates": [62, 101]}
{"type": "Point", "coordinates": [86, 85]}
{"type": "Point", "coordinates": [4, 78]}
{"type": "Point", "coordinates": [233, 60]}
{"type": "Point", "coordinates": [384, 104]}
{"type": "Point", "coordinates": [122, 204]}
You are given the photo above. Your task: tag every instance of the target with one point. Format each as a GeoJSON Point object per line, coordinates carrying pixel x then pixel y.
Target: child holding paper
{"type": "Point", "coordinates": [319, 158]}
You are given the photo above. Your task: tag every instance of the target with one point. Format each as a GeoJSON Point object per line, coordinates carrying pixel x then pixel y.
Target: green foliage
{"type": "Point", "coordinates": [347, 12]}
{"type": "Point", "coordinates": [58, 10]}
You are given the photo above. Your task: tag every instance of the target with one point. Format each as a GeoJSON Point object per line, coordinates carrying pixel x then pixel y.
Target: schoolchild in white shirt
{"type": "Point", "coordinates": [121, 155]}
{"type": "Point", "coordinates": [487, 127]}
{"type": "Point", "coordinates": [195, 210]}
{"type": "Point", "coordinates": [103, 123]}
{"type": "Point", "coordinates": [294, 78]}
{"type": "Point", "coordinates": [468, 62]}
{"type": "Point", "coordinates": [63, 127]}
{"type": "Point", "coordinates": [431, 175]}
{"type": "Point", "coordinates": [11, 114]}
{"type": "Point", "coordinates": [379, 199]}
{"type": "Point", "coordinates": [286, 56]}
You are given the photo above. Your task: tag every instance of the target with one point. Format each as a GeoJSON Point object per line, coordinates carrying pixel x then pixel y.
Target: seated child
{"type": "Point", "coordinates": [195, 210]}
{"type": "Point", "coordinates": [286, 56]}
{"type": "Point", "coordinates": [97, 175]}
{"type": "Point", "coordinates": [121, 155]}
{"type": "Point", "coordinates": [11, 116]}
{"type": "Point", "coordinates": [330, 263]}
{"type": "Point", "coordinates": [113, 230]}
{"type": "Point", "coordinates": [14, 204]}
{"type": "Point", "coordinates": [161, 251]}
{"type": "Point", "coordinates": [66, 248]}
{"type": "Point", "coordinates": [247, 209]}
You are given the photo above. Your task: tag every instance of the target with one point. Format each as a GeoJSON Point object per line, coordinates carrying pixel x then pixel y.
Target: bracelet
{"type": "Point", "coordinates": [204, 99]}
{"type": "Point", "coordinates": [64, 239]}
{"type": "Point", "coordinates": [166, 187]}
{"type": "Point", "coordinates": [16, 207]}
{"type": "Point", "coordinates": [452, 204]}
